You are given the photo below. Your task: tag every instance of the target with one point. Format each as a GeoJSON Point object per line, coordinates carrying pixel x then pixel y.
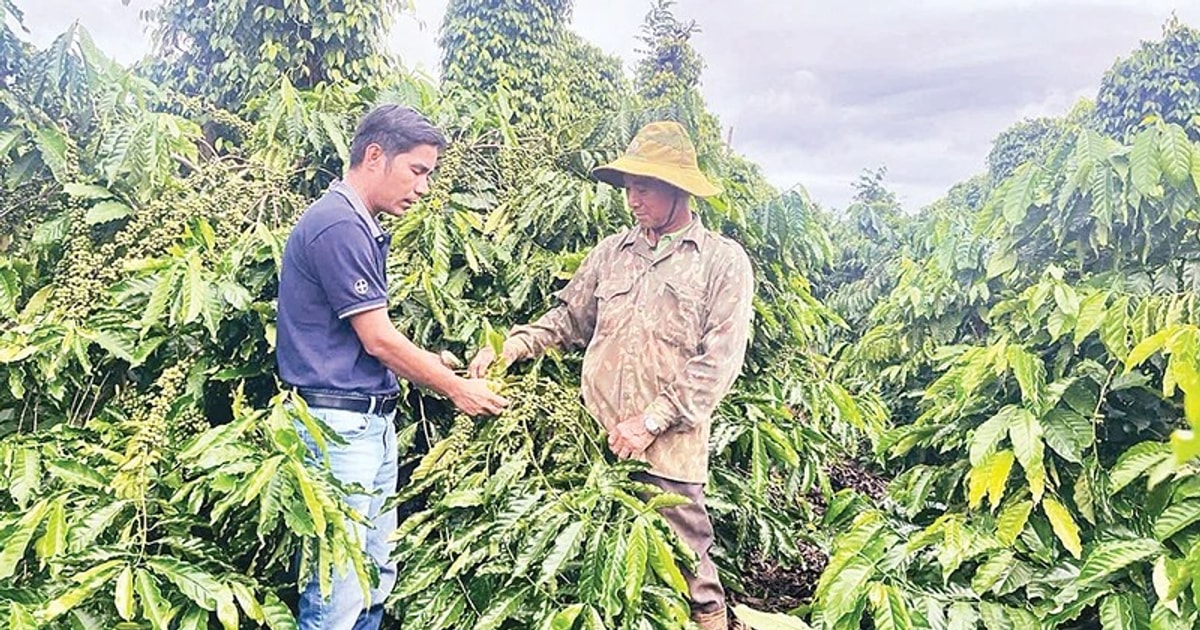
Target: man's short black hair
{"type": "Point", "coordinates": [396, 129]}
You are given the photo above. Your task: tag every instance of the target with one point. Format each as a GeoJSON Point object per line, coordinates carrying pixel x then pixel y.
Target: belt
{"type": "Point", "coordinates": [349, 401]}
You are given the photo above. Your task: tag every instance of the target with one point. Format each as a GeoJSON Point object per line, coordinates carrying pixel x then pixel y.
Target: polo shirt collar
{"type": "Point", "coordinates": [351, 195]}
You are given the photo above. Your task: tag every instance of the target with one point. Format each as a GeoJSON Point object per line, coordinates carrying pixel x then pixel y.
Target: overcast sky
{"type": "Point", "coordinates": [816, 91]}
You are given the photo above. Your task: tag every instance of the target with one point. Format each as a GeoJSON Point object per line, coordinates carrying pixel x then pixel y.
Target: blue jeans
{"type": "Point", "coordinates": [369, 459]}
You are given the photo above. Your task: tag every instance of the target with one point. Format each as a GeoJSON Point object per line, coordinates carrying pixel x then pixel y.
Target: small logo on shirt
{"type": "Point", "coordinates": [360, 287]}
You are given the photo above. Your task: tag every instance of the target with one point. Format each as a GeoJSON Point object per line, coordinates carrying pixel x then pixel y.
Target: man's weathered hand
{"type": "Point", "coordinates": [474, 397]}
{"type": "Point", "coordinates": [483, 362]}
{"type": "Point", "coordinates": [629, 438]}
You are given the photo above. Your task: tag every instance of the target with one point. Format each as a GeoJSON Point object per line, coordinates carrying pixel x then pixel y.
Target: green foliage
{"type": "Point", "coordinates": [12, 49]}
{"type": "Point", "coordinates": [595, 83]}
{"type": "Point", "coordinates": [511, 44]}
{"type": "Point", "coordinates": [129, 519]}
{"type": "Point", "coordinates": [533, 498]}
{"type": "Point", "coordinates": [1158, 80]}
{"type": "Point", "coordinates": [228, 52]}
{"type": "Point", "coordinates": [1034, 484]}
{"type": "Point", "coordinates": [140, 280]}
{"type": "Point", "coordinates": [669, 67]}
{"type": "Point", "coordinates": [869, 237]}
{"type": "Point", "coordinates": [1031, 139]}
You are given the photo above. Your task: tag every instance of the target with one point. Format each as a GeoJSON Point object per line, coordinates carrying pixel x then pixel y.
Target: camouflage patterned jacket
{"type": "Point", "coordinates": [665, 333]}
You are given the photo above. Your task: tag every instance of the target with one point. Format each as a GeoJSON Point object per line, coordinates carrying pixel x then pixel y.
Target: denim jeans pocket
{"type": "Point", "coordinates": [350, 425]}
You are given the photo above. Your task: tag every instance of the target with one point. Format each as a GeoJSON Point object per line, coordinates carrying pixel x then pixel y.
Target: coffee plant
{"type": "Point", "coordinates": [981, 414]}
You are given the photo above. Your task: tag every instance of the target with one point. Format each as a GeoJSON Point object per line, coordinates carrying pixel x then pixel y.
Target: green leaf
{"type": "Point", "coordinates": [20, 619]}
{"type": "Point", "coordinates": [1022, 619]}
{"type": "Point", "coordinates": [1001, 262]}
{"type": "Point", "coordinates": [1030, 372]}
{"type": "Point", "coordinates": [1196, 167]}
{"type": "Point", "coordinates": [1175, 154]}
{"type": "Point", "coordinates": [636, 555]}
{"type": "Point", "coordinates": [195, 289]}
{"type": "Point", "coordinates": [123, 594]}
{"type": "Point", "coordinates": [53, 146]}
{"type": "Point", "coordinates": [76, 474]}
{"type": "Point", "coordinates": [155, 609]}
{"type": "Point", "coordinates": [662, 561]}
{"type": "Point", "coordinates": [54, 541]}
{"type": "Point", "coordinates": [195, 583]}
{"type": "Point", "coordinates": [994, 616]}
{"type": "Point", "coordinates": [666, 500]}
{"type": "Point", "coordinates": [1144, 164]}
{"type": "Point", "coordinates": [1147, 347]}
{"type": "Point", "coordinates": [89, 192]}
{"type": "Point", "coordinates": [120, 346]}
{"type": "Point", "coordinates": [988, 435]}
{"type": "Point", "coordinates": [18, 539]}
{"type": "Point", "coordinates": [1114, 330]}
{"type": "Point", "coordinates": [10, 292]}
{"type": "Point", "coordinates": [991, 572]}
{"type": "Point", "coordinates": [1091, 315]}
{"type": "Point", "coordinates": [1011, 521]}
{"type": "Point", "coordinates": [160, 298]}
{"type": "Point", "coordinates": [1124, 611]}
{"type": "Point", "coordinates": [564, 549]}
{"type": "Point", "coordinates": [469, 497]}
{"type": "Point", "coordinates": [889, 612]}
{"type": "Point", "coordinates": [1112, 556]}
{"type": "Point", "coordinates": [277, 614]}
{"type": "Point", "coordinates": [194, 618]}
{"type": "Point", "coordinates": [1164, 618]}
{"type": "Point", "coordinates": [1021, 192]}
{"type": "Point", "coordinates": [90, 527]}
{"type": "Point", "coordinates": [758, 620]}
{"type": "Point", "coordinates": [1064, 526]}
{"type": "Point", "coordinates": [25, 477]}
{"type": "Point", "coordinates": [105, 211]}
{"type": "Point", "coordinates": [563, 619]}
{"type": "Point", "coordinates": [501, 608]}
{"type": "Point", "coordinates": [227, 611]}
{"type": "Point", "coordinates": [316, 511]}
{"type": "Point", "coordinates": [1026, 434]}
{"type": "Point", "coordinates": [1176, 518]}
{"type": "Point", "coordinates": [1186, 445]}
{"type": "Point", "coordinates": [88, 582]}
{"type": "Point", "coordinates": [1134, 462]}
{"type": "Point", "coordinates": [1066, 299]}
{"type": "Point", "coordinates": [1068, 433]}
{"type": "Point", "coordinates": [989, 478]}
{"type": "Point", "coordinates": [962, 617]}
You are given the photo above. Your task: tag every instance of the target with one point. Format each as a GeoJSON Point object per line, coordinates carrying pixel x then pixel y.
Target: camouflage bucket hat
{"type": "Point", "coordinates": [661, 150]}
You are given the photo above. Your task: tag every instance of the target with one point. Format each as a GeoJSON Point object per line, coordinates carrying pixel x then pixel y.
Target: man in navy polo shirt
{"type": "Point", "coordinates": [339, 350]}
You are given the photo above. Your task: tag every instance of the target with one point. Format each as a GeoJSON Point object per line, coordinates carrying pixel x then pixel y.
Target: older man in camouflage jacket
{"type": "Point", "coordinates": [664, 311]}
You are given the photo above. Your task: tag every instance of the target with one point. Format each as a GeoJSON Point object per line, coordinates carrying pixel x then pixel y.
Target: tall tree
{"type": "Point", "coordinates": [1161, 78]}
{"type": "Point", "coordinates": [509, 43]}
{"type": "Point", "coordinates": [670, 67]}
{"type": "Point", "coordinates": [1035, 139]}
{"type": "Point", "coordinates": [231, 50]}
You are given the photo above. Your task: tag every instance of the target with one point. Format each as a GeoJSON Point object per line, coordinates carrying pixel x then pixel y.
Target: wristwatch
{"type": "Point", "coordinates": [652, 425]}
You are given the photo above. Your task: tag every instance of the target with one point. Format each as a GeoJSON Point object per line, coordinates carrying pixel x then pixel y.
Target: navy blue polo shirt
{"type": "Point", "coordinates": [333, 268]}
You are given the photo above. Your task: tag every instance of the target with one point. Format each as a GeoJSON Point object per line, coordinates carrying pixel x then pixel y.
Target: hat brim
{"type": "Point", "coordinates": [688, 180]}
